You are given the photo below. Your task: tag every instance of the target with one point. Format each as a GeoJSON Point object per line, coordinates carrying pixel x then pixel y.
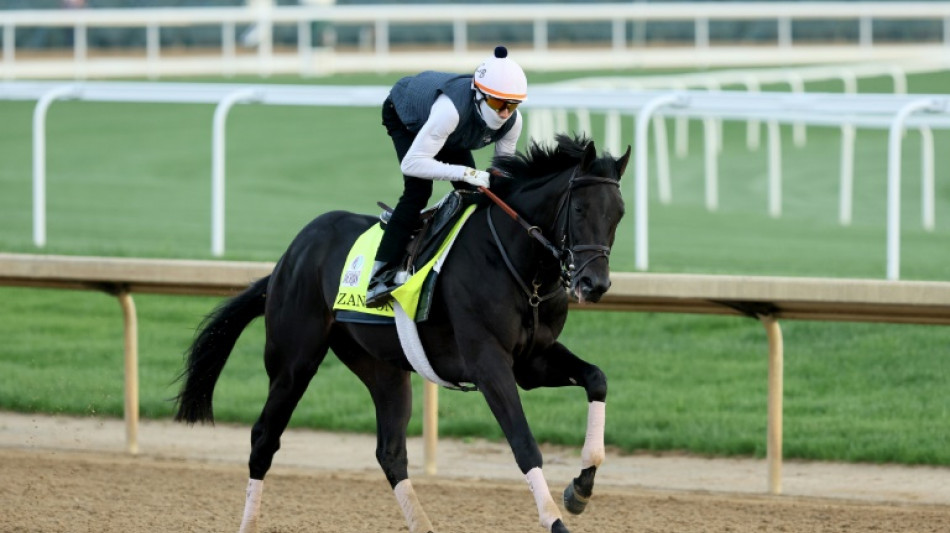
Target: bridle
{"type": "Point", "coordinates": [568, 248]}
{"type": "Point", "coordinates": [566, 252]}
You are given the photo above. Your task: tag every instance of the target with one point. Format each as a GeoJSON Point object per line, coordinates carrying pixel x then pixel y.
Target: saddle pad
{"type": "Point", "coordinates": [414, 296]}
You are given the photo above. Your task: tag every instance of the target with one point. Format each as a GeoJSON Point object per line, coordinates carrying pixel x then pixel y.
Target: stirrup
{"type": "Point", "coordinates": [379, 295]}
{"type": "Point", "coordinates": [380, 288]}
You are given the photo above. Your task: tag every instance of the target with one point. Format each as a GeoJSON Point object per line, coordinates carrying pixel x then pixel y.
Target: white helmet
{"type": "Point", "coordinates": [501, 77]}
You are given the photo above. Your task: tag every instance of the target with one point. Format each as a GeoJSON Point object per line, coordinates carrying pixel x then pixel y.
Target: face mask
{"type": "Point", "coordinates": [490, 116]}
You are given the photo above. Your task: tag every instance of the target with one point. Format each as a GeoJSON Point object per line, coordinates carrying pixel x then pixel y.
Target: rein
{"type": "Point", "coordinates": [533, 231]}
{"type": "Point", "coordinates": [534, 299]}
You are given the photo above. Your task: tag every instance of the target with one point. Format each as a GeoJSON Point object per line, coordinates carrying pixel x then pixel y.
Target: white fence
{"type": "Point", "coordinates": [848, 111]}
{"type": "Point", "coordinates": [750, 80]}
{"type": "Point", "coordinates": [619, 51]}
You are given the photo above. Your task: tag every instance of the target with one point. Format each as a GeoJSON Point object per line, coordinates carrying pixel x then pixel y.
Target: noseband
{"type": "Point", "coordinates": [565, 253]}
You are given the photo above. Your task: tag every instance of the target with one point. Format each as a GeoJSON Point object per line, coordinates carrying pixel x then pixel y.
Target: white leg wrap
{"type": "Point", "coordinates": [593, 452]}
{"type": "Point", "coordinates": [252, 506]}
{"type": "Point", "coordinates": [415, 517]}
{"type": "Point", "coordinates": [547, 509]}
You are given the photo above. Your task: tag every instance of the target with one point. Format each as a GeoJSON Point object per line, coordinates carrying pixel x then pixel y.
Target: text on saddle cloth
{"type": "Point", "coordinates": [414, 296]}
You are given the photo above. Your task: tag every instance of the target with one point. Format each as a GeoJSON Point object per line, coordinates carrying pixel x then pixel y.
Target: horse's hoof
{"type": "Point", "coordinates": [559, 527]}
{"type": "Point", "coordinates": [573, 501]}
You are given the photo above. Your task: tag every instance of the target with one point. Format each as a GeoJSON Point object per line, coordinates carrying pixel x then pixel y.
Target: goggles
{"type": "Point", "coordinates": [497, 104]}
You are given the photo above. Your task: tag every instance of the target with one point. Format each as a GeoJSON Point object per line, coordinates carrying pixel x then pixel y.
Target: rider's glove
{"type": "Point", "coordinates": [477, 178]}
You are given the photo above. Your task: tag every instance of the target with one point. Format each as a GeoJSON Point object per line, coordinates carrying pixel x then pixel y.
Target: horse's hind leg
{"type": "Point", "coordinates": [558, 367]}
{"type": "Point", "coordinates": [392, 394]}
{"type": "Point", "coordinates": [291, 359]}
{"type": "Point", "coordinates": [391, 390]}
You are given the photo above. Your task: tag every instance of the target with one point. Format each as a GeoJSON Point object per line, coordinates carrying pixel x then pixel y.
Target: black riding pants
{"type": "Point", "coordinates": [416, 191]}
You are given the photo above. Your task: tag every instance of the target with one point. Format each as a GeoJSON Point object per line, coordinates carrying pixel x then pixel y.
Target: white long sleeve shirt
{"type": "Point", "coordinates": [443, 118]}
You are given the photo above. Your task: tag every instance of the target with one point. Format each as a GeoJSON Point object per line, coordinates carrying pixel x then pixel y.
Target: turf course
{"type": "Point", "coordinates": [134, 180]}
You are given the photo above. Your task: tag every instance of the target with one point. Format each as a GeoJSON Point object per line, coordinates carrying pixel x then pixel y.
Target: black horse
{"type": "Point", "coordinates": [500, 304]}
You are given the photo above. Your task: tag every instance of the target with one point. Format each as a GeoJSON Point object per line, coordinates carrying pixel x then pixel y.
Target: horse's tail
{"type": "Point", "coordinates": [210, 350]}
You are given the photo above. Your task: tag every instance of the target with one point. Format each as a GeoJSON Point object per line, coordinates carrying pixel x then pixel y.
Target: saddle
{"type": "Point", "coordinates": [434, 225]}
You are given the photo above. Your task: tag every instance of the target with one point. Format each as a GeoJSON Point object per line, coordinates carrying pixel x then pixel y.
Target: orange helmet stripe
{"type": "Point", "coordinates": [501, 95]}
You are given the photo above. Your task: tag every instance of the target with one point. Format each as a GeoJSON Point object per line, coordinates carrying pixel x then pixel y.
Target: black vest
{"type": "Point", "coordinates": [413, 97]}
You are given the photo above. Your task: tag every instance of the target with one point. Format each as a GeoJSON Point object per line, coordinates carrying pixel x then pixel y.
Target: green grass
{"type": "Point", "coordinates": [134, 180]}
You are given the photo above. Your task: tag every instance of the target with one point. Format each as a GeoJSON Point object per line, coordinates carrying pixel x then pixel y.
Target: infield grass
{"type": "Point", "coordinates": [134, 180]}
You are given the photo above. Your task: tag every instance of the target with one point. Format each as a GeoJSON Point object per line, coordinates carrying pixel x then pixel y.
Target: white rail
{"type": "Point", "coordinates": [881, 111]}
{"type": "Point", "coordinates": [542, 54]}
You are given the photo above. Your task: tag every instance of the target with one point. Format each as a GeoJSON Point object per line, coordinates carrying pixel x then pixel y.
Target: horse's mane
{"type": "Point", "coordinates": [542, 161]}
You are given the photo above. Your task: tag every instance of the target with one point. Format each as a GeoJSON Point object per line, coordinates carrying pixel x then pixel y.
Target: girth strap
{"type": "Point", "coordinates": [416, 355]}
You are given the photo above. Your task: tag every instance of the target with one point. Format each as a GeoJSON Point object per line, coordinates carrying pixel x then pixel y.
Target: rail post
{"type": "Point", "coordinates": [894, 145]}
{"type": "Point", "coordinates": [640, 199]}
{"type": "Point", "coordinates": [775, 395]}
{"type": "Point", "coordinates": [131, 370]}
{"type": "Point", "coordinates": [217, 163]}
{"type": "Point", "coordinates": [430, 426]}
{"type": "Point", "coordinates": [39, 157]}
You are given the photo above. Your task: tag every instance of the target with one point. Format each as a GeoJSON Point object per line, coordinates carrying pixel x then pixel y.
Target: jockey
{"type": "Point", "coordinates": [435, 120]}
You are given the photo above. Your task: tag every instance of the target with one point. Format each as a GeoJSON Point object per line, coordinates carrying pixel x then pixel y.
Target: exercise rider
{"type": "Point", "coordinates": [435, 120]}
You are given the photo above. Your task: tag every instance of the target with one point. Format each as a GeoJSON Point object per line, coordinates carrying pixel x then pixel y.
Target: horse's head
{"type": "Point", "coordinates": [591, 214]}
{"type": "Point", "coordinates": [573, 197]}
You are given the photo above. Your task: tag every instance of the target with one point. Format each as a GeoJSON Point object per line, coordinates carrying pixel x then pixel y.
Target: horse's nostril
{"type": "Point", "coordinates": [596, 290]}
{"type": "Point", "coordinates": [592, 289]}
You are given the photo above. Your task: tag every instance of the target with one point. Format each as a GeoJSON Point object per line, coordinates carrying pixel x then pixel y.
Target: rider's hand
{"type": "Point", "coordinates": [477, 178]}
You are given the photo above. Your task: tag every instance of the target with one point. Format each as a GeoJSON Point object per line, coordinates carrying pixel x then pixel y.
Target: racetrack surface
{"type": "Point", "coordinates": [71, 475]}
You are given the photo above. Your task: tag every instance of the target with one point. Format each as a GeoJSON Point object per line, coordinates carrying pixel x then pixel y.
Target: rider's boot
{"type": "Point", "coordinates": [384, 279]}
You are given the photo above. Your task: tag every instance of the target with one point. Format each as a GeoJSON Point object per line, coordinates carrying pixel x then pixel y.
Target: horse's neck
{"type": "Point", "coordinates": [539, 208]}
{"type": "Point", "coordinates": [531, 262]}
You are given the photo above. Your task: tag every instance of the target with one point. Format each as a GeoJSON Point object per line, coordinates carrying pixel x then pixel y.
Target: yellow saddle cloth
{"type": "Point", "coordinates": [414, 296]}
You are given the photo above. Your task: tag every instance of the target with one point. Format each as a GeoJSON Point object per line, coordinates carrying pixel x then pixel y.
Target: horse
{"type": "Point", "coordinates": [496, 340]}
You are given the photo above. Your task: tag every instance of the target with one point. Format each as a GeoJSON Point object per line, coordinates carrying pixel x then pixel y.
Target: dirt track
{"type": "Point", "coordinates": [69, 475]}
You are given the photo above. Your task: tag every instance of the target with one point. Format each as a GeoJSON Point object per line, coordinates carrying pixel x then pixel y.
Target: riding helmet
{"type": "Point", "coordinates": [501, 77]}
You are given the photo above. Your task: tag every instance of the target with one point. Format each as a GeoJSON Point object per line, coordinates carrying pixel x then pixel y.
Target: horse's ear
{"type": "Point", "coordinates": [590, 154]}
{"type": "Point", "coordinates": [622, 162]}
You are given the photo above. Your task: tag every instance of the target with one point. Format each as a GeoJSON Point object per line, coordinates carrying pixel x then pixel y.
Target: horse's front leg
{"type": "Point", "coordinates": [558, 367]}
{"type": "Point", "coordinates": [579, 491]}
{"type": "Point", "coordinates": [500, 389]}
